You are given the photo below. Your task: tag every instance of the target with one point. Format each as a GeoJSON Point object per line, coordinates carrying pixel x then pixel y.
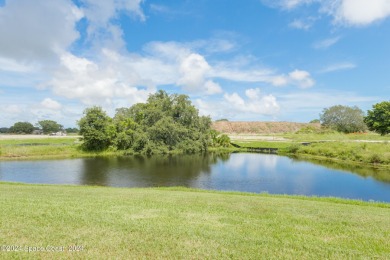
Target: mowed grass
{"type": "Point", "coordinates": [172, 223]}
{"type": "Point", "coordinates": [46, 148]}
{"type": "Point", "coordinates": [365, 153]}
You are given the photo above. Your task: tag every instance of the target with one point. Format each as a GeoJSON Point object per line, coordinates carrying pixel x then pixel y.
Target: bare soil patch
{"type": "Point", "coordinates": [259, 127]}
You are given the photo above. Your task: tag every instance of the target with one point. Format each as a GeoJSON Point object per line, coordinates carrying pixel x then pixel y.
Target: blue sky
{"type": "Point", "coordinates": [250, 60]}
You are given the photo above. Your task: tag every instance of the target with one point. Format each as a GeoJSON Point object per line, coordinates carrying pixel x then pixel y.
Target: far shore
{"type": "Point", "coordinates": [18, 137]}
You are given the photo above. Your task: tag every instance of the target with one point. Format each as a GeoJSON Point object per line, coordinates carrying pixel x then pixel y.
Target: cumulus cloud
{"type": "Point", "coordinates": [94, 82]}
{"type": "Point", "coordinates": [358, 12]}
{"type": "Point", "coordinates": [254, 103]}
{"type": "Point", "coordinates": [49, 103]}
{"type": "Point", "coordinates": [194, 70]}
{"type": "Point", "coordinates": [101, 15]}
{"type": "Point", "coordinates": [238, 73]}
{"type": "Point", "coordinates": [301, 78]}
{"type": "Point", "coordinates": [345, 12]}
{"type": "Point", "coordinates": [36, 30]}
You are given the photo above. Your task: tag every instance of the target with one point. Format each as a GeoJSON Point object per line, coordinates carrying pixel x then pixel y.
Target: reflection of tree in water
{"type": "Point", "coordinates": [168, 170]}
{"type": "Point", "coordinates": [362, 170]}
{"type": "Point", "coordinates": [95, 171]}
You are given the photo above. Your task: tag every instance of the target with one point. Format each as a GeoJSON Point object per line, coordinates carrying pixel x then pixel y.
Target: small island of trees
{"type": "Point", "coordinates": [164, 124]}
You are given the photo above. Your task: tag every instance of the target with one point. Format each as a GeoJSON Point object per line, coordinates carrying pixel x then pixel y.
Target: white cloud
{"type": "Point", "coordinates": [301, 78]}
{"type": "Point", "coordinates": [212, 88]}
{"type": "Point", "coordinates": [93, 82]}
{"type": "Point", "coordinates": [324, 44]}
{"type": "Point", "coordinates": [101, 14]}
{"type": "Point", "coordinates": [358, 12]}
{"type": "Point", "coordinates": [345, 12]}
{"type": "Point", "coordinates": [194, 70]}
{"type": "Point", "coordinates": [257, 104]}
{"type": "Point", "coordinates": [49, 103]}
{"type": "Point", "coordinates": [35, 30]}
{"type": "Point", "coordinates": [253, 106]}
{"type": "Point", "coordinates": [338, 67]}
{"type": "Point", "coordinates": [228, 71]}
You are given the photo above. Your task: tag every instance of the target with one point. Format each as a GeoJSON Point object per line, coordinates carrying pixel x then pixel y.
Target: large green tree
{"type": "Point", "coordinates": [163, 124]}
{"type": "Point", "coordinates": [343, 119]}
{"type": "Point", "coordinates": [378, 119]}
{"type": "Point", "coordinates": [22, 128]}
{"type": "Point", "coordinates": [49, 126]}
{"type": "Point", "coordinates": [95, 127]}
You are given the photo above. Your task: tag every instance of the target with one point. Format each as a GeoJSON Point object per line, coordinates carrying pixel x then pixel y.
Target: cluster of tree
{"type": "Point", "coordinates": [22, 128]}
{"type": "Point", "coordinates": [352, 119]}
{"type": "Point", "coordinates": [163, 124]}
{"type": "Point", "coordinates": [46, 126]}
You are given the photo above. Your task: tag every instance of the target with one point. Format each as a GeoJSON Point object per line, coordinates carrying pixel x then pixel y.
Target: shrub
{"type": "Point", "coordinates": [375, 158]}
{"type": "Point", "coordinates": [293, 149]}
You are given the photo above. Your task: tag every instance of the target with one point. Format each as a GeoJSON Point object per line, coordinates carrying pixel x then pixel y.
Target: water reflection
{"type": "Point", "coordinates": [380, 174]}
{"type": "Point", "coordinates": [238, 172]}
{"type": "Point", "coordinates": [140, 171]}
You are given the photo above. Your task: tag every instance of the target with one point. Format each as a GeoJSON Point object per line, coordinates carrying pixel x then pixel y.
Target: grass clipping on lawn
{"type": "Point", "coordinates": [183, 223]}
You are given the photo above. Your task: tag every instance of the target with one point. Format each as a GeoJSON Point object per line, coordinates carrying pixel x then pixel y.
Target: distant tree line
{"type": "Point", "coordinates": [45, 126]}
{"type": "Point", "coordinates": [164, 124]}
{"type": "Point", "coordinates": [352, 119]}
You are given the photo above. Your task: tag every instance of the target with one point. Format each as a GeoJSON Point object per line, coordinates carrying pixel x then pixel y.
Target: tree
{"type": "Point", "coordinates": [49, 126]}
{"type": "Point", "coordinates": [343, 119]}
{"type": "Point", "coordinates": [378, 119]}
{"type": "Point", "coordinates": [95, 128]}
{"type": "Point", "coordinates": [4, 130]}
{"type": "Point", "coordinates": [315, 121]}
{"type": "Point", "coordinates": [22, 128]}
{"type": "Point", "coordinates": [163, 124]}
{"type": "Point", "coordinates": [72, 130]}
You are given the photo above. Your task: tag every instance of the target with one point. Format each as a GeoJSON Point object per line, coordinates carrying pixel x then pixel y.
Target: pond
{"type": "Point", "coordinates": [247, 172]}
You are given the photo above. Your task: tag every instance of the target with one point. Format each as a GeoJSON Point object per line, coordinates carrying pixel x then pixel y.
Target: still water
{"type": "Point", "coordinates": [234, 172]}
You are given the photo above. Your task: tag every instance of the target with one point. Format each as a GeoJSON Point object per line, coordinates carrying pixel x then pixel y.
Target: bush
{"type": "Point", "coordinates": [293, 149]}
{"type": "Point", "coordinates": [344, 119]}
{"type": "Point", "coordinates": [375, 158]}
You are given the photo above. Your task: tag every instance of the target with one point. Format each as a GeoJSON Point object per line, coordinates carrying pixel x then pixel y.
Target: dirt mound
{"type": "Point", "coordinates": [259, 127]}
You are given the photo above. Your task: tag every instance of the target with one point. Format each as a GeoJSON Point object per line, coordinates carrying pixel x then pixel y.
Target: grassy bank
{"type": "Point", "coordinates": [376, 154]}
{"type": "Point", "coordinates": [46, 148]}
{"type": "Point", "coordinates": [182, 223]}
{"type": "Point", "coordinates": [367, 149]}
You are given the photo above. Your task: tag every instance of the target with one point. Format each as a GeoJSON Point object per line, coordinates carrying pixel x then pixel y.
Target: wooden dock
{"type": "Point", "coordinates": [257, 149]}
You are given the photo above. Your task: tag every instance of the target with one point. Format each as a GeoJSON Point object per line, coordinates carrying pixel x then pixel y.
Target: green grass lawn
{"type": "Point", "coordinates": [150, 223]}
{"type": "Point", "coordinates": [46, 148]}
